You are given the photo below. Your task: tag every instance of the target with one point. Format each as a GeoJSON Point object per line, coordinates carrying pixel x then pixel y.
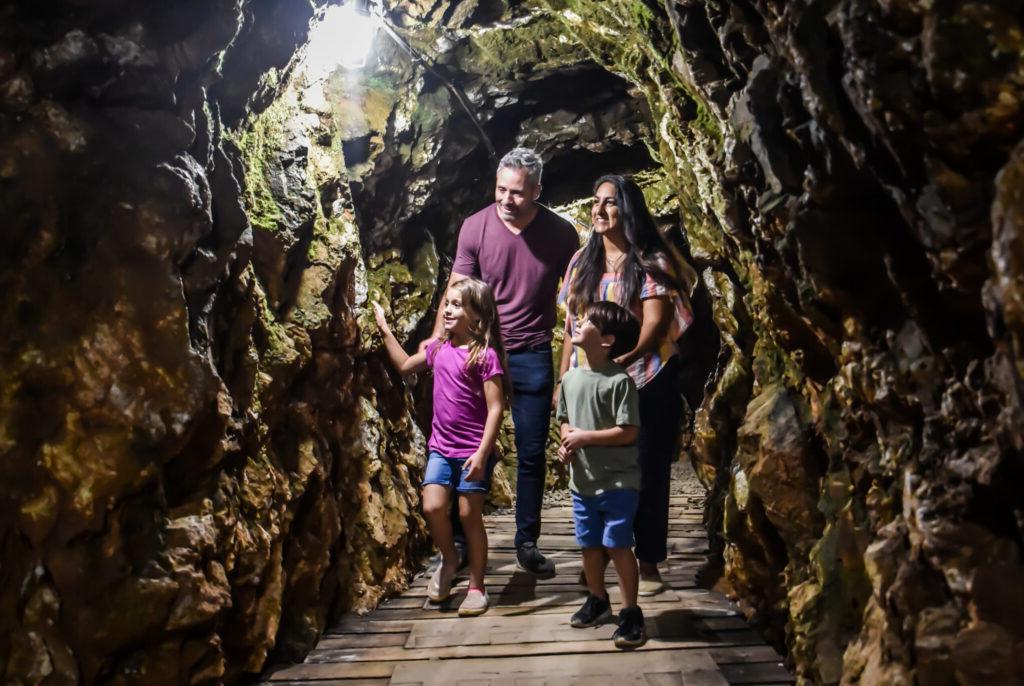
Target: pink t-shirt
{"type": "Point", "coordinates": [522, 269]}
{"type": "Point", "coordinates": [460, 409]}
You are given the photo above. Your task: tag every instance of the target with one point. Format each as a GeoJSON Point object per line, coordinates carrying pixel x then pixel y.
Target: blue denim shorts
{"type": "Point", "coordinates": [451, 472]}
{"type": "Point", "coordinates": [605, 520]}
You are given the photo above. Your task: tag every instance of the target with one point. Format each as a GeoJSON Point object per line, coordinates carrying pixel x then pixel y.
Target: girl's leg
{"type": "Point", "coordinates": [471, 512]}
{"type": "Point", "coordinates": [436, 504]}
{"type": "Point", "coordinates": [626, 568]}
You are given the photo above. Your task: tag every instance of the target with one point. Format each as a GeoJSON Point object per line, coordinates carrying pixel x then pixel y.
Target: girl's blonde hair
{"type": "Point", "coordinates": [485, 327]}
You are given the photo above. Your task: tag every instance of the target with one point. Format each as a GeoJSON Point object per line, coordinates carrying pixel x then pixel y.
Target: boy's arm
{"type": "Point", "coordinates": [574, 438]}
{"type": "Point", "coordinates": [564, 454]}
{"type": "Point", "coordinates": [495, 398]}
{"type": "Point", "coordinates": [405, 363]}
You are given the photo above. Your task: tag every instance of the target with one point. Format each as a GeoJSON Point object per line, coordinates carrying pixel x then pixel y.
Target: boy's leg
{"type": "Point", "coordinates": [619, 509]}
{"type": "Point", "coordinates": [618, 539]}
{"type": "Point", "coordinates": [629, 576]}
{"type": "Point", "coordinates": [471, 508]}
{"type": "Point", "coordinates": [593, 567]}
{"type": "Point", "coordinates": [589, 527]}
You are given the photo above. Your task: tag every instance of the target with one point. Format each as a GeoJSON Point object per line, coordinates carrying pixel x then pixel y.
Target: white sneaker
{"type": "Point", "coordinates": [476, 603]}
{"type": "Point", "coordinates": [440, 585]}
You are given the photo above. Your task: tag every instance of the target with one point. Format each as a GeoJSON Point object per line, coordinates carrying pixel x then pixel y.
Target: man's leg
{"type": "Point", "coordinates": [532, 377]}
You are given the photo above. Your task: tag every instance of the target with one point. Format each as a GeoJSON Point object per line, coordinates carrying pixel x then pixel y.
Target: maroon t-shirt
{"type": "Point", "coordinates": [523, 270]}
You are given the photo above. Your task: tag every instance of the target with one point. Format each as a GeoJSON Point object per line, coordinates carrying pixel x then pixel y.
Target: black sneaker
{"type": "Point", "coordinates": [595, 611]}
{"type": "Point", "coordinates": [530, 560]}
{"type": "Point", "coordinates": [630, 633]}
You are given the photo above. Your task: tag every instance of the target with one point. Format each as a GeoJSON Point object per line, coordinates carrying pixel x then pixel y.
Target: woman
{"type": "Point", "coordinates": [626, 260]}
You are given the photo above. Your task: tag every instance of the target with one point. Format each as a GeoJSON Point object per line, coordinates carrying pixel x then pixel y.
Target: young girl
{"type": "Point", "coordinates": [468, 362]}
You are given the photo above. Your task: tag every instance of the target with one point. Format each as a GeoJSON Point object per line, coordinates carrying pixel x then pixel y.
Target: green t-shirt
{"type": "Point", "coordinates": [601, 399]}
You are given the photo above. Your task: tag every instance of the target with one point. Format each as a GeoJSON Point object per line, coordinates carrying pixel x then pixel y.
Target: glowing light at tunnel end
{"type": "Point", "coordinates": [343, 38]}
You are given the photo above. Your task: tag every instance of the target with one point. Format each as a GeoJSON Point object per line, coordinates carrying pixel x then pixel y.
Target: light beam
{"type": "Point", "coordinates": [343, 38]}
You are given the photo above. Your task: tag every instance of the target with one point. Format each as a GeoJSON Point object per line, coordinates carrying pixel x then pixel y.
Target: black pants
{"type": "Point", "coordinates": [661, 412]}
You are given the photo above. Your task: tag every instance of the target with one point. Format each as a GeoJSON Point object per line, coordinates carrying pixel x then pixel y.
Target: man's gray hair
{"type": "Point", "coordinates": [525, 159]}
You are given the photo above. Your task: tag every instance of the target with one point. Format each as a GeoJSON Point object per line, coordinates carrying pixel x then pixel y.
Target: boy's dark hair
{"type": "Point", "coordinates": [614, 320]}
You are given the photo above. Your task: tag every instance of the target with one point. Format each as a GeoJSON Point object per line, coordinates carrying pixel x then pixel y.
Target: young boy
{"type": "Point", "coordinates": [598, 413]}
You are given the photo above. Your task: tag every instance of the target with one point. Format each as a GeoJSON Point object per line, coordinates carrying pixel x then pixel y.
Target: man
{"type": "Point", "coordinates": [521, 250]}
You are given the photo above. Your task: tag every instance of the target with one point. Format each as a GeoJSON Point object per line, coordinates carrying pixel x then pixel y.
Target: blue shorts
{"type": "Point", "coordinates": [605, 520]}
{"type": "Point", "coordinates": [451, 472]}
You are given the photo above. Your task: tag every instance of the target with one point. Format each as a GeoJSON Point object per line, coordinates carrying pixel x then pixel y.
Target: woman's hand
{"type": "Point", "coordinates": [475, 467]}
{"type": "Point", "coordinates": [378, 315]}
{"type": "Point", "coordinates": [573, 439]}
{"type": "Point", "coordinates": [565, 456]}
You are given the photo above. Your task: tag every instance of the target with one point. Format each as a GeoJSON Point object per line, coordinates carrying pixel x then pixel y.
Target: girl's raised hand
{"type": "Point", "coordinates": [378, 315]}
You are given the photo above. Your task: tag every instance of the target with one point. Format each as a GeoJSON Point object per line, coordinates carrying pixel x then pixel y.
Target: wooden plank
{"type": "Point", "coordinates": [599, 641]}
{"type": "Point", "coordinates": [523, 602]}
{"type": "Point", "coordinates": [309, 672]}
{"type": "Point", "coordinates": [354, 624]}
{"type": "Point", "coordinates": [703, 606]}
{"type": "Point", "coordinates": [639, 668]}
{"type": "Point", "coordinates": [495, 587]}
{"type": "Point", "coordinates": [726, 655]}
{"type": "Point", "coordinates": [366, 640]}
{"type": "Point", "coordinates": [383, 681]}
{"type": "Point", "coordinates": [546, 628]}
{"type": "Point", "coordinates": [565, 577]}
{"type": "Point", "coordinates": [756, 672]}
{"type": "Point", "coordinates": [443, 622]}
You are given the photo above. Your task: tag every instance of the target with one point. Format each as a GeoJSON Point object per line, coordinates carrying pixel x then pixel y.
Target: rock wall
{"type": "Point", "coordinates": [850, 178]}
{"type": "Point", "coordinates": [202, 459]}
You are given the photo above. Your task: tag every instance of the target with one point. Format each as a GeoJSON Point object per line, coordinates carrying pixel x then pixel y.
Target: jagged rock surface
{"type": "Point", "coordinates": [850, 175]}
{"type": "Point", "coordinates": [201, 459]}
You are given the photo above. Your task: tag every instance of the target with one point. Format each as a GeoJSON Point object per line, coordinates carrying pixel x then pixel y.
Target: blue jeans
{"type": "Point", "coordinates": [533, 381]}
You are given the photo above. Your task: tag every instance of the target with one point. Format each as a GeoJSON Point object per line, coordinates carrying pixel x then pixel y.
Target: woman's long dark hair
{"type": "Point", "coordinates": [649, 253]}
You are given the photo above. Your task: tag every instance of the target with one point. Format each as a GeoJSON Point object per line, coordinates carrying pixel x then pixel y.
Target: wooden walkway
{"type": "Point", "coordinates": [697, 637]}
